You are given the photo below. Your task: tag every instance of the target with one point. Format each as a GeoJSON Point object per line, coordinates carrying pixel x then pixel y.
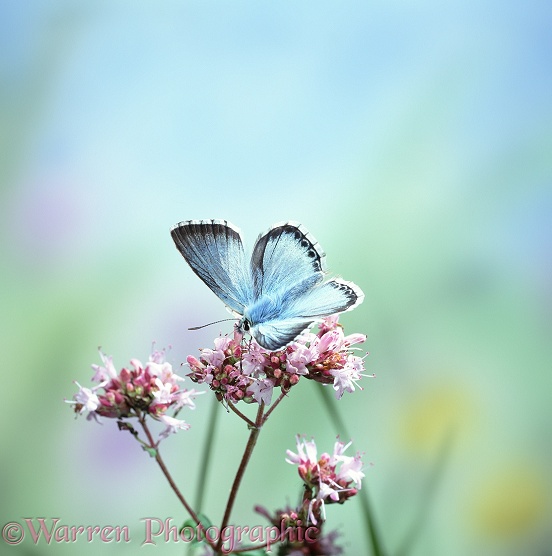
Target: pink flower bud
{"type": "Point", "coordinates": [194, 363]}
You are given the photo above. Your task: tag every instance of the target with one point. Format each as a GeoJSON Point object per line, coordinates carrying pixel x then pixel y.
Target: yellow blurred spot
{"type": "Point", "coordinates": [510, 503]}
{"type": "Point", "coordinates": [438, 414]}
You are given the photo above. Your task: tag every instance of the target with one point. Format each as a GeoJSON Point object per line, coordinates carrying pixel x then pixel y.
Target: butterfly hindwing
{"type": "Point", "coordinates": [329, 298]}
{"type": "Point", "coordinates": [300, 313]}
{"type": "Point", "coordinates": [214, 250]}
{"type": "Point", "coordinates": [274, 335]}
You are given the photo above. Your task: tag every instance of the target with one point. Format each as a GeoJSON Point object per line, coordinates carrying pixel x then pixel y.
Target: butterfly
{"type": "Point", "coordinates": [281, 293]}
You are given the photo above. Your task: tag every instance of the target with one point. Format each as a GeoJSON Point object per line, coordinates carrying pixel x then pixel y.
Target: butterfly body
{"type": "Point", "coordinates": [281, 292]}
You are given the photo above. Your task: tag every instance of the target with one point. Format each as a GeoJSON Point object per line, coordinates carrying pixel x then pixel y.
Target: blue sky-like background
{"type": "Point", "coordinates": [413, 140]}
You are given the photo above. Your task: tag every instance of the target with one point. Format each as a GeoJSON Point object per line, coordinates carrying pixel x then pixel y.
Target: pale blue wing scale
{"type": "Point", "coordinates": [329, 298]}
{"type": "Point", "coordinates": [287, 258]}
{"type": "Point", "coordinates": [214, 251]}
{"type": "Point", "coordinates": [298, 313]}
{"type": "Point", "coordinates": [275, 335]}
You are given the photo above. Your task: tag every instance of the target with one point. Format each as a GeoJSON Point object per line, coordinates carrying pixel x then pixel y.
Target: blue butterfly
{"type": "Point", "coordinates": [281, 293]}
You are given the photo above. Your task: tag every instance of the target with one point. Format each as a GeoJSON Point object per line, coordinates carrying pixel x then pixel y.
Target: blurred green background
{"type": "Point", "coordinates": [412, 139]}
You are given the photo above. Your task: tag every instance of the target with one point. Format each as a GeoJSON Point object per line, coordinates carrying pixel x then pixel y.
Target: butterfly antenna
{"type": "Point", "coordinates": [247, 345]}
{"type": "Point", "coordinates": [208, 324]}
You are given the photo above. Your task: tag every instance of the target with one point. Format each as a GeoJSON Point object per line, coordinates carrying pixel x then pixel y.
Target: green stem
{"type": "Point", "coordinates": [335, 417]}
{"type": "Point", "coordinates": [428, 495]}
{"type": "Point", "coordinates": [205, 459]}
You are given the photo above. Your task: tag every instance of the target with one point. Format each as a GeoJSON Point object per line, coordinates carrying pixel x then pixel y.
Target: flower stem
{"type": "Point", "coordinates": [428, 497]}
{"type": "Point", "coordinates": [273, 406]}
{"type": "Point", "coordinates": [372, 531]}
{"type": "Point", "coordinates": [249, 422]}
{"type": "Point", "coordinates": [206, 454]}
{"type": "Point", "coordinates": [165, 471]}
{"type": "Point", "coordinates": [253, 435]}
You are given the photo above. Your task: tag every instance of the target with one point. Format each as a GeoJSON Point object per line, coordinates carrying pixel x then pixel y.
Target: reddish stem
{"type": "Point", "coordinates": [249, 422]}
{"type": "Point", "coordinates": [253, 435]}
{"type": "Point", "coordinates": [273, 406]}
{"type": "Point", "coordinates": [167, 474]}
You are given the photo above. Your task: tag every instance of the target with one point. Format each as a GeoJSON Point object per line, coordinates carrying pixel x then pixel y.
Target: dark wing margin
{"type": "Point", "coordinates": [214, 251]}
{"type": "Point", "coordinates": [285, 257]}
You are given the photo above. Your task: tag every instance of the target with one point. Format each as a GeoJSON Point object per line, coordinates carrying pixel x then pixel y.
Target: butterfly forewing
{"type": "Point", "coordinates": [214, 250]}
{"type": "Point", "coordinates": [286, 258]}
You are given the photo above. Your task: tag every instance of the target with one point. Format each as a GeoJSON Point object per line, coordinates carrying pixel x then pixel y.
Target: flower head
{"type": "Point", "coordinates": [137, 391]}
{"type": "Point", "coordinates": [334, 363]}
{"type": "Point", "coordinates": [328, 478]}
{"type": "Point", "coordinates": [236, 371]}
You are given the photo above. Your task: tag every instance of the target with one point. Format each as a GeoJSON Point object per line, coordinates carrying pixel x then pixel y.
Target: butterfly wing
{"type": "Point", "coordinates": [214, 251]}
{"type": "Point", "coordinates": [329, 298]}
{"type": "Point", "coordinates": [276, 334]}
{"type": "Point", "coordinates": [299, 312]}
{"type": "Point", "coordinates": [284, 258]}
{"type": "Point", "coordinates": [288, 267]}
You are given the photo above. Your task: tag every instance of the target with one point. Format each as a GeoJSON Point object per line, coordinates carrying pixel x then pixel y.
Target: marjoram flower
{"type": "Point", "coordinates": [237, 370]}
{"type": "Point", "coordinates": [140, 390]}
{"type": "Point", "coordinates": [328, 479]}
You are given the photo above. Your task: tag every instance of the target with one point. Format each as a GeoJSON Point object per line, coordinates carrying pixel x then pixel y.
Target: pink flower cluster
{"type": "Point", "coordinates": [329, 478]}
{"type": "Point", "coordinates": [236, 371]}
{"type": "Point", "coordinates": [151, 389]}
